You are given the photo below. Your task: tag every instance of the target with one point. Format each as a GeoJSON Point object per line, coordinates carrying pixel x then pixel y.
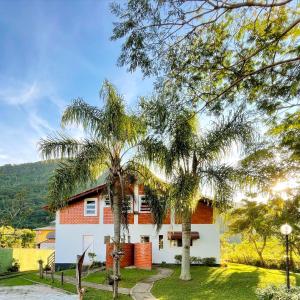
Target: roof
{"type": "Point", "coordinates": [91, 192]}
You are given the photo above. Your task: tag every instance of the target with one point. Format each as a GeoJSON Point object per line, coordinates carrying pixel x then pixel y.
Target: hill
{"type": "Point", "coordinates": [32, 179]}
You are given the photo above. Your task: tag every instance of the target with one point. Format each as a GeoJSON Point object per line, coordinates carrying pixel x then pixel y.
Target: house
{"type": "Point", "coordinates": [86, 222]}
{"type": "Point", "coordinates": [45, 237]}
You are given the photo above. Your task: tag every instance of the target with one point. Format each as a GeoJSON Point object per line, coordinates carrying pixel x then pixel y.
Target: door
{"type": "Point", "coordinates": [88, 244]}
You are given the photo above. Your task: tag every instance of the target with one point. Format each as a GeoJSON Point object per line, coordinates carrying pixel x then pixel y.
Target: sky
{"type": "Point", "coordinates": [52, 52]}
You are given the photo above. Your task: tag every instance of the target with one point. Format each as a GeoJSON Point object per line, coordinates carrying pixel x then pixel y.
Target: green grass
{"type": "Point", "coordinates": [129, 276]}
{"type": "Point", "coordinates": [235, 282]}
{"type": "Point", "coordinates": [18, 280]}
{"type": "Point", "coordinates": [90, 293]}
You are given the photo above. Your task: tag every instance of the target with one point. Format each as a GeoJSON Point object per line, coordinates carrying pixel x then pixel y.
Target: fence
{"type": "Point", "coordinates": [27, 257]}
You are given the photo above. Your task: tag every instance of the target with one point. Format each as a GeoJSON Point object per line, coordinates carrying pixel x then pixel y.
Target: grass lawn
{"type": "Point", "coordinates": [18, 280]}
{"type": "Point", "coordinates": [129, 276]}
{"type": "Point", "coordinates": [235, 282]}
{"type": "Point", "coordinates": [90, 294]}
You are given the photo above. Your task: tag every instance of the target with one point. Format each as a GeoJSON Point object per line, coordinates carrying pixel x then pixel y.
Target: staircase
{"type": "Point", "coordinates": [51, 261]}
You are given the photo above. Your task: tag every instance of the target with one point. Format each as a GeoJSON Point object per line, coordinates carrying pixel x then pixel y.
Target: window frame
{"type": "Point", "coordinates": [85, 207]}
{"type": "Point", "coordinates": [140, 205]}
{"type": "Point", "coordinates": [104, 199]}
{"type": "Point", "coordinates": [144, 236]}
{"type": "Point", "coordinates": [130, 211]}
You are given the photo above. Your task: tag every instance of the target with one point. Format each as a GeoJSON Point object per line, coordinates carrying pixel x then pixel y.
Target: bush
{"type": "Point", "coordinates": [96, 264]}
{"type": "Point", "coordinates": [47, 268]}
{"type": "Point", "coordinates": [178, 259]}
{"type": "Point", "coordinates": [278, 293]}
{"type": "Point", "coordinates": [209, 261]}
{"type": "Point", "coordinates": [15, 266]}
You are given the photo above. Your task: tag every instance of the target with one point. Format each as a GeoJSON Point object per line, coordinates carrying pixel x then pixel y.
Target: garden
{"type": "Point", "coordinates": [220, 126]}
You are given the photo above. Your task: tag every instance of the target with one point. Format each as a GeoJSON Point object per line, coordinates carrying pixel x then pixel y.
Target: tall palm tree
{"type": "Point", "coordinates": [111, 133]}
{"type": "Point", "coordinates": [192, 161]}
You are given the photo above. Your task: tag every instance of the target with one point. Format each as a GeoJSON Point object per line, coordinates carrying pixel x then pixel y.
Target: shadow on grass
{"type": "Point", "coordinates": [210, 283]}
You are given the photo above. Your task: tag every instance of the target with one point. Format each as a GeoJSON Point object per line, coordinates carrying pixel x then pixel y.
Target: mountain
{"type": "Point", "coordinates": [32, 180]}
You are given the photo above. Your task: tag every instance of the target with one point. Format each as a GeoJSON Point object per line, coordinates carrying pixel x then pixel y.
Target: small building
{"type": "Point", "coordinates": [45, 237]}
{"type": "Point", "coordinates": [86, 222]}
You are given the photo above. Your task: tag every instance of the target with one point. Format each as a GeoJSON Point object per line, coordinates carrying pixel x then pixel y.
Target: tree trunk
{"type": "Point", "coordinates": [117, 234]}
{"type": "Point", "coordinates": [186, 244]}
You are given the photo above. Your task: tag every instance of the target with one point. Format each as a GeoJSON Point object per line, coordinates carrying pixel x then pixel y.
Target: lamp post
{"type": "Point", "coordinates": [286, 229]}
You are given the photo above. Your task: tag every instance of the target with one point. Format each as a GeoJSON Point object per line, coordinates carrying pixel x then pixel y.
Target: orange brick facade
{"type": "Point", "coordinates": [74, 214]}
{"type": "Point", "coordinates": [126, 260]}
{"type": "Point", "coordinates": [139, 255]}
{"type": "Point", "coordinates": [143, 255]}
{"type": "Point", "coordinates": [203, 214]}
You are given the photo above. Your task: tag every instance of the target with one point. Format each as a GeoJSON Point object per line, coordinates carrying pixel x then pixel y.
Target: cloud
{"type": "Point", "coordinates": [16, 93]}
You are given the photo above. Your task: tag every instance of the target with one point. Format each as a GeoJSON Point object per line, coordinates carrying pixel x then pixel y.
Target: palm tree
{"type": "Point", "coordinates": [111, 133]}
{"type": "Point", "coordinates": [191, 161]}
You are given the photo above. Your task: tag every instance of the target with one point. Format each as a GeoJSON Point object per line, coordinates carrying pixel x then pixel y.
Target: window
{"type": "Point", "coordinates": [144, 205]}
{"type": "Point", "coordinates": [178, 243]}
{"type": "Point", "coordinates": [106, 202]}
{"type": "Point", "coordinates": [127, 205]}
{"type": "Point", "coordinates": [90, 207]}
{"type": "Point", "coordinates": [145, 239]}
{"type": "Point", "coordinates": [106, 239]}
{"type": "Point", "coordinates": [160, 242]}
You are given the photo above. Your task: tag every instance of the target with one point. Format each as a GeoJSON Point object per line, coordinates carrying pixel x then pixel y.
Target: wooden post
{"type": "Point", "coordinates": [62, 278]}
{"type": "Point", "coordinates": [41, 268]}
{"type": "Point", "coordinates": [80, 290]}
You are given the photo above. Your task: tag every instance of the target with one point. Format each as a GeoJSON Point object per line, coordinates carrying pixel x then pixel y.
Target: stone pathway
{"type": "Point", "coordinates": [98, 286]}
{"type": "Point", "coordinates": [142, 290]}
{"type": "Point", "coordinates": [34, 292]}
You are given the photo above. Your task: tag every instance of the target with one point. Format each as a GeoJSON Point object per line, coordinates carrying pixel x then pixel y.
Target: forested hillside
{"type": "Point", "coordinates": [26, 183]}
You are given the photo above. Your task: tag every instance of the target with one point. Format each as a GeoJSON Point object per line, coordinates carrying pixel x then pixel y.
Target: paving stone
{"type": "Point", "coordinates": [33, 292]}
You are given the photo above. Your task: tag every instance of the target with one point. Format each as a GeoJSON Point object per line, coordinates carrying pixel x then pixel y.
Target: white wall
{"type": "Point", "coordinates": [69, 239]}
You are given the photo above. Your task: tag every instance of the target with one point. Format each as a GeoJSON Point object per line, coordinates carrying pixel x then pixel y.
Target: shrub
{"type": "Point", "coordinates": [15, 266]}
{"type": "Point", "coordinates": [47, 268]}
{"type": "Point", "coordinates": [178, 258]}
{"type": "Point", "coordinates": [278, 293]}
{"type": "Point", "coordinates": [96, 264]}
{"type": "Point", "coordinates": [209, 261]}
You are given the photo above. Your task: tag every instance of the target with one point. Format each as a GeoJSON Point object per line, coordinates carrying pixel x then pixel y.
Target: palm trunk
{"type": "Point", "coordinates": [186, 244]}
{"type": "Point", "coordinates": [117, 230]}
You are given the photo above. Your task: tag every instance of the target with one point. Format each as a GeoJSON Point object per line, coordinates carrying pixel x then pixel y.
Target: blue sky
{"type": "Point", "coordinates": [50, 53]}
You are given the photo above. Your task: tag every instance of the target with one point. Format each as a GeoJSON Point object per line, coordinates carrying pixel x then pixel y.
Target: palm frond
{"type": "Point", "coordinates": [59, 146]}
{"type": "Point", "coordinates": [81, 113]}
{"type": "Point", "coordinates": [71, 173]}
{"type": "Point", "coordinates": [220, 178]}
{"type": "Point", "coordinates": [233, 129]}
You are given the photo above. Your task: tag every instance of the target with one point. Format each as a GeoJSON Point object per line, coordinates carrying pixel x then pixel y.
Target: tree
{"type": "Point", "coordinates": [220, 52]}
{"type": "Point", "coordinates": [255, 222]}
{"type": "Point", "coordinates": [191, 160]}
{"type": "Point", "coordinates": [111, 133]}
{"type": "Point", "coordinates": [14, 211]}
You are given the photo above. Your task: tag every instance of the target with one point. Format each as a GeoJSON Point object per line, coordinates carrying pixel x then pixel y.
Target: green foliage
{"type": "Point", "coordinates": [258, 224]}
{"type": "Point", "coordinates": [16, 238]}
{"type": "Point", "coordinates": [206, 261]}
{"type": "Point", "coordinates": [278, 293]}
{"type": "Point", "coordinates": [219, 53]}
{"type": "Point", "coordinates": [288, 132]}
{"type": "Point", "coordinates": [23, 190]}
{"type": "Point", "coordinates": [244, 252]}
{"type": "Point", "coordinates": [15, 266]}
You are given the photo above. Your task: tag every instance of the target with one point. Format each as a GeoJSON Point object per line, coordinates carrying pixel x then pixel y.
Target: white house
{"type": "Point", "coordinates": [87, 222]}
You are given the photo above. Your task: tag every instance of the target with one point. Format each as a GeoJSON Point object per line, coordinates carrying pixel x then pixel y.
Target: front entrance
{"type": "Point", "coordinates": [87, 243]}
